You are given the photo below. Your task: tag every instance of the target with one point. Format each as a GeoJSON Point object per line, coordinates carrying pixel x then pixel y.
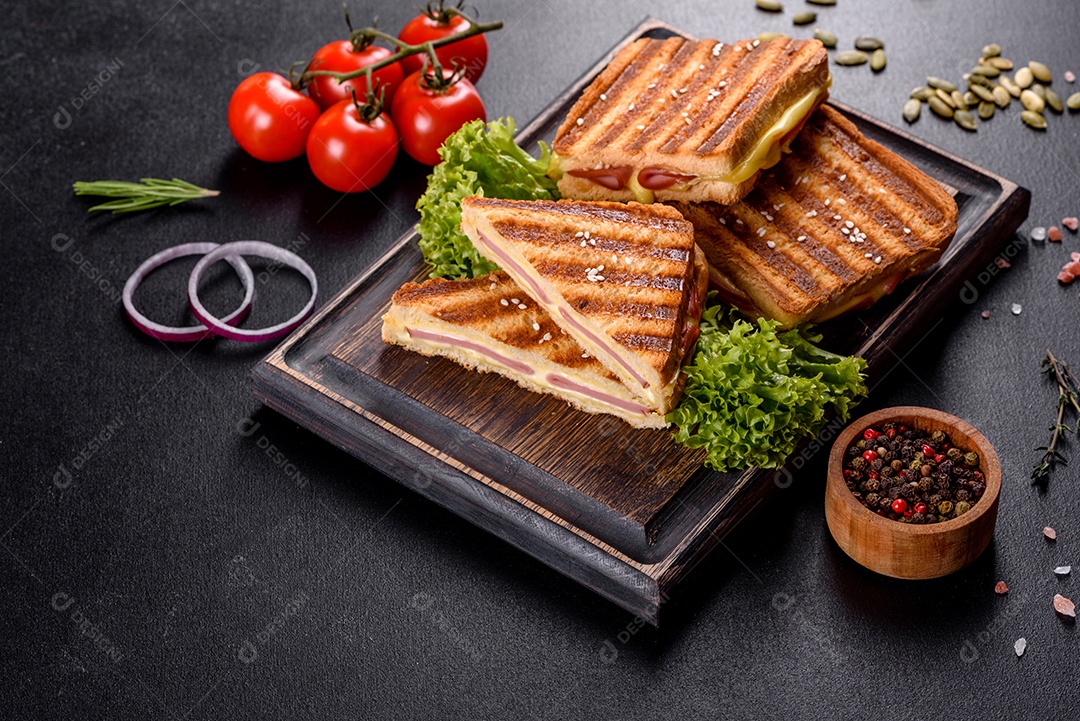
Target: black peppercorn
{"type": "Point", "coordinates": [872, 499]}
{"type": "Point", "coordinates": [962, 495]}
{"type": "Point", "coordinates": [885, 503]}
{"type": "Point", "coordinates": [977, 490]}
{"type": "Point", "coordinates": [955, 455]}
{"type": "Point", "coordinates": [934, 500]}
{"type": "Point", "coordinates": [853, 452]}
{"type": "Point", "coordinates": [858, 463]}
{"type": "Point", "coordinates": [918, 518]}
{"type": "Point", "coordinates": [897, 465]}
{"type": "Point", "coordinates": [876, 464]}
{"type": "Point", "coordinates": [872, 485]}
{"type": "Point", "coordinates": [926, 485]}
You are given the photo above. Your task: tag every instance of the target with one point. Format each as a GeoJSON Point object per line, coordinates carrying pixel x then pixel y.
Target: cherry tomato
{"type": "Point", "coordinates": [425, 117]}
{"type": "Point", "coordinates": [269, 118]}
{"type": "Point", "coordinates": [471, 53]}
{"type": "Point", "coordinates": [341, 57]}
{"type": "Point", "coordinates": [348, 153]}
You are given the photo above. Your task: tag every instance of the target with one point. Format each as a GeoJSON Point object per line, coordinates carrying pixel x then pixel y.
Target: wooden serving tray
{"type": "Point", "coordinates": [626, 512]}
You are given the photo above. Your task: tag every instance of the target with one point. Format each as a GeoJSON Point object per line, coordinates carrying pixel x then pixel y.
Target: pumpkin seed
{"type": "Point", "coordinates": [921, 93]}
{"type": "Point", "coordinates": [979, 80]}
{"type": "Point", "coordinates": [827, 38]}
{"type": "Point", "coordinates": [771, 6]}
{"type": "Point", "coordinates": [877, 60]}
{"type": "Point", "coordinates": [1054, 101]}
{"type": "Point", "coordinates": [1001, 96]}
{"type": "Point", "coordinates": [1040, 90]}
{"type": "Point", "coordinates": [986, 110]}
{"type": "Point", "coordinates": [940, 84]}
{"type": "Point", "coordinates": [999, 63]}
{"type": "Point", "coordinates": [940, 107]}
{"type": "Point", "coordinates": [971, 98]}
{"type": "Point", "coordinates": [983, 93]}
{"type": "Point", "coordinates": [945, 97]}
{"type": "Point", "coordinates": [1032, 102]}
{"type": "Point", "coordinates": [913, 107]}
{"type": "Point", "coordinates": [821, 2]}
{"type": "Point", "coordinates": [991, 51]}
{"type": "Point", "coordinates": [1009, 85]}
{"type": "Point", "coordinates": [1024, 77]}
{"type": "Point", "coordinates": [987, 71]}
{"type": "Point", "coordinates": [1033, 119]}
{"type": "Point", "coordinates": [804, 18]}
{"type": "Point", "coordinates": [868, 43]}
{"type": "Point", "coordinates": [766, 37]}
{"type": "Point", "coordinates": [1041, 72]}
{"type": "Point", "coordinates": [851, 57]}
{"type": "Point", "coordinates": [1073, 103]}
{"type": "Point", "coordinates": [959, 101]}
{"type": "Point", "coordinates": [965, 120]}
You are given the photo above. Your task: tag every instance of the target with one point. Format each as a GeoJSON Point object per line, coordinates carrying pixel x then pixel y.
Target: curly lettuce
{"type": "Point", "coordinates": [476, 160]}
{"type": "Point", "coordinates": [752, 393]}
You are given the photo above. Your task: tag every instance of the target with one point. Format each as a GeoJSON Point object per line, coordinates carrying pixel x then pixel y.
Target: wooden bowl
{"type": "Point", "coordinates": [905, 550]}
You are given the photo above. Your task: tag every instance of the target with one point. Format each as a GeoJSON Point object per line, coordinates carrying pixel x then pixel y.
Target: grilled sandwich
{"type": "Point", "coordinates": [625, 281]}
{"type": "Point", "coordinates": [489, 325]}
{"type": "Point", "coordinates": [838, 224]}
{"type": "Point", "coordinates": [690, 120]}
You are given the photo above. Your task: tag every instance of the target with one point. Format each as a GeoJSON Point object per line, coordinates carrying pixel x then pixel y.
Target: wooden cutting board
{"type": "Point", "coordinates": [629, 513]}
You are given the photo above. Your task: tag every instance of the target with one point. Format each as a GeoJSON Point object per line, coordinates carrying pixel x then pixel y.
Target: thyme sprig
{"type": "Point", "coordinates": [1068, 398]}
{"type": "Point", "coordinates": [147, 194]}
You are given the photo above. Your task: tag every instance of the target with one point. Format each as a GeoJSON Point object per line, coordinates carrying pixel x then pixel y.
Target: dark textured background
{"type": "Point", "coordinates": [211, 577]}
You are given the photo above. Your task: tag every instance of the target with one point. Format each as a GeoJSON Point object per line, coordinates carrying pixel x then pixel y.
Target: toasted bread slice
{"type": "Point", "coordinates": [839, 223]}
{"type": "Point", "coordinates": [623, 280]}
{"type": "Point", "coordinates": [691, 120]}
{"type": "Point", "coordinates": [490, 325]}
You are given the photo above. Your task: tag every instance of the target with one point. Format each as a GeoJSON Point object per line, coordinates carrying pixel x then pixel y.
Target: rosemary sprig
{"type": "Point", "coordinates": [1068, 388]}
{"type": "Point", "coordinates": [147, 194]}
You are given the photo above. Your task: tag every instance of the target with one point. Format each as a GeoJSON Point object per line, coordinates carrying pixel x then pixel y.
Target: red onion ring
{"type": "Point", "coordinates": [262, 250]}
{"type": "Point", "coordinates": [190, 333]}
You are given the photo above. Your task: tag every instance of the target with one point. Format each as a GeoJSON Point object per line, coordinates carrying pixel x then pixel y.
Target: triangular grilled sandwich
{"type": "Point", "coordinates": [838, 224]}
{"type": "Point", "coordinates": [690, 120]}
{"type": "Point", "coordinates": [625, 281]}
{"type": "Point", "coordinates": [488, 324]}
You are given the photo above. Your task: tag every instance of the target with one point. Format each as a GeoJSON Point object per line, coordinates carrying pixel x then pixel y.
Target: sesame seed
{"type": "Point", "coordinates": [682, 90]}
{"type": "Point", "coordinates": [843, 177]}
{"type": "Point", "coordinates": [631, 106]}
{"type": "Point", "coordinates": [812, 214]}
{"type": "Point", "coordinates": [503, 302]}
{"type": "Point", "coordinates": [777, 206]}
{"type": "Point", "coordinates": [756, 43]}
{"type": "Point", "coordinates": [592, 241]}
{"type": "Point", "coordinates": [845, 231]}
{"type": "Point", "coordinates": [686, 115]}
{"type": "Point", "coordinates": [770, 244]}
{"type": "Point", "coordinates": [878, 260]}
{"type": "Point", "coordinates": [700, 67]}
{"type": "Point", "coordinates": [849, 224]}
{"type": "Point", "coordinates": [717, 48]}
{"type": "Point", "coordinates": [536, 326]}
{"type": "Point", "coordinates": [674, 93]}
{"type": "Point", "coordinates": [584, 243]}
{"type": "Point", "coordinates": [761, 232]}
{"type": "Point", "coordinates": [585, 355]}
{"type": "Point", "coordinates": [768, 217]}
{"type": "Point", "coordinates": [580, 121]}
{"type": "Point", "coordinates": [749, 47]}
{"type": "Point", "coordinates": [827, 201]}
{"type": "Point", "coordinates": [515, 301]}
{"type": "Point", "coordinates": [650, 86]}
{"type": "Point", "coordinates": [614, 258]}
{"type": "Point", "coordinates": [547, 336]}
{"type": "Point", "coordinates": [801, 238]}
{"type": "Point", "coordinates": [841, 201]}
{"type": "Point", "coordinates": [522, 306]}
{"type": "Point", "coordinates": [838, 217]}
{"type": "Point", "coordinates": [722, 84]}
{"type": "Point", "coordinates": [687, 121]}
{"type": "Point", "coordinates": [869, 255]}
{"type": "Point", "coordinates": [723, 221]}
{"type": "Point", "coordinates": [586, 235]}
{"type": "Point", "coordinates": [907, 231]}
{"type": "Point", "coordinates": [600, 267]}
{"type": "Point", "coordinates": [641, 127]}
{"type": "Point", "coordinates": [738, 221]}
{"type": "Point", "coordinates": [492, 287]}
{"type": "Point", "coordinates": [603, 96]}
{"type": "Point", "coordinates": [578, 234]}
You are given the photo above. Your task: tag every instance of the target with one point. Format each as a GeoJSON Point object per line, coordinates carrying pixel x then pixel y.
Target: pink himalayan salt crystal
{"type": "Point", "coordinates": [1064, 606]}
{"type": "Point", "coordinates": [1050, 533]}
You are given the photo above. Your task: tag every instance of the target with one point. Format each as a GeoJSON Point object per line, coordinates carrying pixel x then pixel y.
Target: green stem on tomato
{"type": "Point", "coordinates": [405, 49]}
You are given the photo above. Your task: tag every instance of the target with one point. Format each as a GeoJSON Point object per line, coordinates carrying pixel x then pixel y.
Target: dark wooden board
{"type": "Point", "coordinates": [627, 512]}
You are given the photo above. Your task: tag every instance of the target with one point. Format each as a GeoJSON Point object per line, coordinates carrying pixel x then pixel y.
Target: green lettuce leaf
{"type": "Point", "coordinates": [752, 393]}
{"type": "Point", "coordinates": [476, 160]}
